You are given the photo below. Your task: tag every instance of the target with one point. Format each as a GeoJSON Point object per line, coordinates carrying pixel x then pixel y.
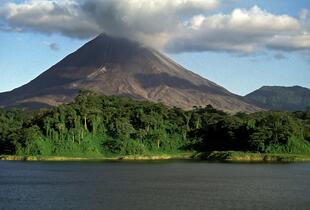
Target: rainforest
{"type": "Point", "coordinates": [95, 126]}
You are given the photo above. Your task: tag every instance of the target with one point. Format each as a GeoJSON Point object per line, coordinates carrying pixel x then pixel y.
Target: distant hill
{"type": "Point", "coordinates": [117, 66]}
{"type": "Point", "coordinates": [281, 98]}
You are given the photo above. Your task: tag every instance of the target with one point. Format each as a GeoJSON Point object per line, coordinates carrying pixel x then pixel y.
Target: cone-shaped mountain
{"type": "Point", "coordinates": [117, 66]}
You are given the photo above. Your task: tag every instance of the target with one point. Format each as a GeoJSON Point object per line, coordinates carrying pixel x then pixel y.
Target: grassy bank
{"type": "Point", "coordinates": [225, 156]}
{"type": "Point", "coordinates": [173, 156]}
{"type": "Point", "coordinates": [235, 156]}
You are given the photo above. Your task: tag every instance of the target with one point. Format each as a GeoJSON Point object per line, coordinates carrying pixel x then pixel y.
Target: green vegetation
{"type": "Point", "coordinates": [234, 156]}
{"type": "Point", "coordinates": [103, 127]}
{"type": "Point", "coordinates": [281, 98]}
{"type": "Point", "coordinates": [110, 157]}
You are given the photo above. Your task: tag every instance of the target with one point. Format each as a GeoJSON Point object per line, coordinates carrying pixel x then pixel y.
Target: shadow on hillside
{"type": "Point", "coordinates": [155, 80]}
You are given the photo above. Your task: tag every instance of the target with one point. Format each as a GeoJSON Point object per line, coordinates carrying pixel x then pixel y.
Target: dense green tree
{"type": "Point", "coordinates": [95, 125]}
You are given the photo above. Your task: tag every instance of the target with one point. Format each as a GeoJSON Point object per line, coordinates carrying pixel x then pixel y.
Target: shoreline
{"type": "Point", "coordinates": [181, 156]}
{"type": "Point", "coordinates": [235, 156]}
{"type": "Point", "coordinates": [215, 156]}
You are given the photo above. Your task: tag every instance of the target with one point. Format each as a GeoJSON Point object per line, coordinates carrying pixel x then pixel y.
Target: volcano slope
{"type": "Point", "coordinates": [117, 66]}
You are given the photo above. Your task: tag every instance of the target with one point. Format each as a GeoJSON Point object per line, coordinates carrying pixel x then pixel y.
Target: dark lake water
{"type": "Point", "coordinates": [153, 185]}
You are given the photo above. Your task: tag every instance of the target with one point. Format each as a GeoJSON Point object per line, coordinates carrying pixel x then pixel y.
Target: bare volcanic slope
{"type": "Point", "coordinates": [117, 66]}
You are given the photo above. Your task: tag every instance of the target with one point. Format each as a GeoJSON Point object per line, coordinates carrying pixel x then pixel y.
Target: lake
{"type": "Point", "coordinates": [153, 185]}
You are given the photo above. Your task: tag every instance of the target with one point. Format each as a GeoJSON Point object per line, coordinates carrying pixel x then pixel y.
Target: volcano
{"type": "Point", "coordinates": [118, 66]}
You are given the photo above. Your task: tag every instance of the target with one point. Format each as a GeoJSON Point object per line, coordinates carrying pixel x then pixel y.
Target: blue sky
{"type": "Point", "coordinates": [27, 47]}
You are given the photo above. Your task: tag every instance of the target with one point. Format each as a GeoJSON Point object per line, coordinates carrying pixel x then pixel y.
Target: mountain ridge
{"type": "Point", "coordinates": [281, 98]}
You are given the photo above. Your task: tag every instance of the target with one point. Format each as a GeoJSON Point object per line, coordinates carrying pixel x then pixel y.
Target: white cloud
{"type": "Point", "coordinates": [87, 18]}
{"type": "Point", "coordinates": [303, 14]}
{"type": "Point", "coordinates": [176, 26]}
{"type": "Point", "coordinates": [290, 43]}
{"type": "Point", "coordinates": [243, 31]}
{"type": "Point", "coordinates": [49, 16]}
{"type": "Point", "coordinates": [150, 21]}
{"type": "Point", "coordinates": [52, 46]}
{"type": "Point", "coordinates": [279, 56]}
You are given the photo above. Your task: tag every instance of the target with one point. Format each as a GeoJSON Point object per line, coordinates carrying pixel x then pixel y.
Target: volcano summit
{"type": "Point", "coordinates": [117, 66]}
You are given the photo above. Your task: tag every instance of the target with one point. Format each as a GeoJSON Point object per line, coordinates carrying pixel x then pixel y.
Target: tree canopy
{"type": "Point", "coordinates": [96, 125]}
